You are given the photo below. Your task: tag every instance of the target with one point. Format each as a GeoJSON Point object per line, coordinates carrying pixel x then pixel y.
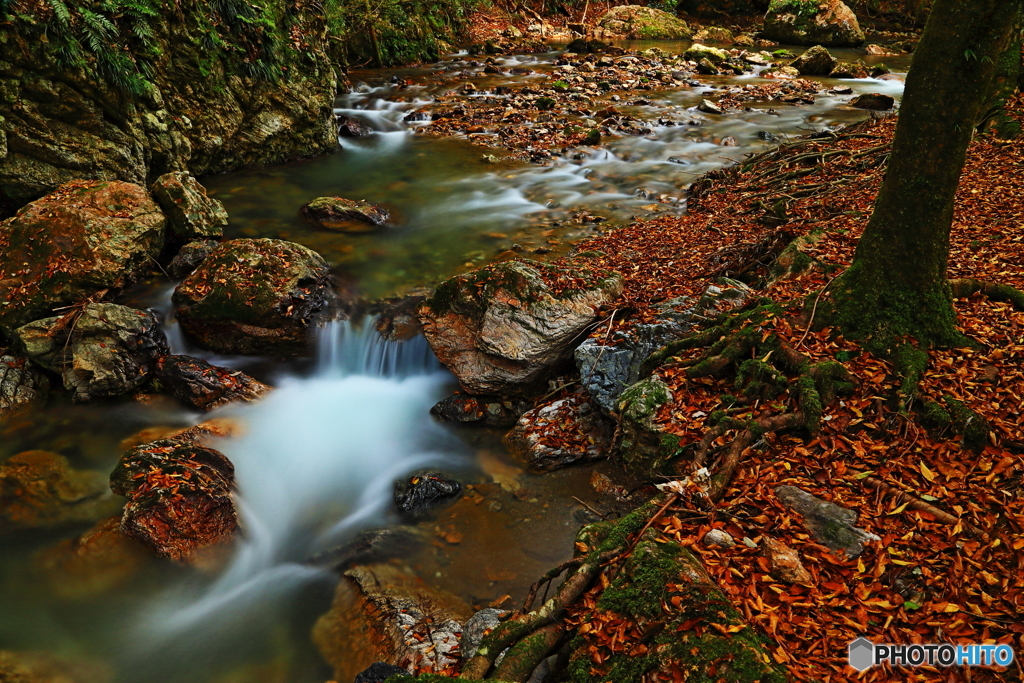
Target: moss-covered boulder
{"type": "Point", "coordinates": [191, 215]}
{"type": "Point", "coordinates": [645, 447]}
{"type": "Point", "coordinates": [254, 296]}
{"type": "Point", "coordinates": [101, 351]}
{"type": "Point", "coordinates": [817, 61]}
{"type": "Point", "coordinates": [812, 22]}
{"type": "Point", "coordinates": [714, 34]}
{"type": "Point", "coordinates": [502, 329]}
{"type": "Point", "coordinates": [85, 237]}
{"type": "Point", "coordinates": [21, 384]}
{"type": "Point", "coordinates": [857, 69]}
{"type": "Point", "coordinates": [698, 52]}
{"type": "Point", "coordinates": [637, 22]}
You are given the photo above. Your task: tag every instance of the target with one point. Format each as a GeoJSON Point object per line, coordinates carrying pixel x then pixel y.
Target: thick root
{"type": "Point", "coordinates": [996, 292]}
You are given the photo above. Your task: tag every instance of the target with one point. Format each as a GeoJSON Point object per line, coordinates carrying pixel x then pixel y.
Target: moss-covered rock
{"type": "Point", "coordinates": [812, 22]}
{"type": "Point", "coordinates": [85, 237]}
{"type": "Point", "coordinates": [645, 447]}
{"type": "Point", "coordinates": [857, 69]}
{"type": "Point", "coordinates": [637, 22]}
{"type": "Point", "coordinates": [254, 296]}
{"type": "Point", "coordinates": [697, 52]}
{"type": "Point", "coordinates": [191, 215]}
{"type": "Point", "coordinates": [817, 61]}
{"type": "Point", "coordinates": [714, 34]}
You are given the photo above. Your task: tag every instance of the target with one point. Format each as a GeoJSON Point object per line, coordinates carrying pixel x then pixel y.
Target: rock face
{"type": "Point", "coordinates": [202, 385]}
{"type": "Point", "coordinates": [254, 296]}
{"type": "Point", "coordinates": [40, 489]}
{"type": "Point", "coordinates": [874, 101]}
{"type": "Point", "coordinates": [345, 215]}
{"type": "Point", "coordinates": [179, 497]}
{"type": "Point", "coordinates": [21, 384]}
{"type": "Point", "coordinates": [105, 351]}
{"type": "Point", "coordinates": [817, 61]}
{"type": "Point", "coordinates": [191, 215]}
{"type": "Point", "coordinates": [384, 613]}
{"type": "Point", "coordinates": [86, 237]}
{"type": "Point", "coordinates": [637, 22]}
{"type": "Point", "coordinates": [812, 22]}
{"type": "Point", "coordinates": [502, 328]}
{"type": "Point", "coordinates": [419, 494]}
{"type": "Point", "coordinates": [560, 433]}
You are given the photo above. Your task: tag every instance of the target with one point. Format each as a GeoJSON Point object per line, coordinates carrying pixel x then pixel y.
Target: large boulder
{"type": "Point", "coordinates": [179, 497]}
{"type": "Point", "coordinates": [817, 61]}
{"type": "Point", "coordinates": [85, 237]}
{"type": "Point", "coordinates": [382, 612]}
{"type": "Point", "coordinates": [254, 296]}
{"type": "Point", "coordinates": [21, 385]}
{"type": "Point", "coordinates": [40, 489]}
{"type": "Point", "coordinates": [191, 215]}
{"type": "Point", "coordinates": [812, 22]}
{"type": "Point", "coordinates": [205, 386]}
{"type": "Point", "coordinates": [637, 22]}
{"type": "Point", "coordinates": [714, 34]}
{"type": "Point", "coordinates": [105, 350]}
{"type": "Point", "coordinates": [503, 328]}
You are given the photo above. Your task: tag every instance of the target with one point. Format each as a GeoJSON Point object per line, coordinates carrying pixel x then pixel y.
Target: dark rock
{"type": "Point", "coordinates": [560, 433]}
{"type": "Point", "coordinates": [202, 385]}
{"type": "Point", "coordinates": [582, 47]}
{"type": "Point", "coordinates": [817, 61]}
{"type": "Point", "coordinates": [812, 22]}
{"type": "Point", "coordinates": [345, 215]}
{"type": "Point", "coordinates": [766, 136]}
{"type": "Point", "coordinates": [398, 322]}
{"type": "Point", "coordinates": [179, 497]}
{"type": "Point", "coordinates": [349, 127]}
{"type": "Point", "coordinates": [645, 447]}
{"type": "Point", "coordinates": [40, 489]}
{"type": "Point", "coordinates": [417, 116]}
{"type": "Point", "coordinates": [874, 101]}
{"type": "Point", "coordinates": [504, 328]}
{"type": "Point", "coordinates": [706, 67]}
{"type": "Point", "coordinates": [21, 384]}
{"type": "Point", "coordinates": [375, 545]}
{"type": "Point", "coordinates": [191, 215]}
{"type": "Point", "coordinates": [378, 672]}
{"type": "Point", "coordinates": [189, 257]}
{"type": "Point", "coordinates": [420, 493]}
{"type": "Point", "coordinates": [102, 351]}
{"type": "Point", "coordinates": [254, 296]}
{"type": "Point", "coordinates": [830, 524]}
{"type": "Point", "coordinates": [856, 69]}
{"type": "Point", "coordinates": [492, 411]}
{"type": "Point", "coordinates": [85, 237]}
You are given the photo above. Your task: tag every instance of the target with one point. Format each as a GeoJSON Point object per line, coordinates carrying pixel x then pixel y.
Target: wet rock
{"type": "Point", "coordinates": [85, 237]}
{"type": "Point", "coordinates": [850, 70]}
{"type": "Point", "coordinates": [817, 61]}
{"type": "Point", "coordinates": [504, 328]}
{"type": "Point", "coordinates": [874, 101]}
{"type": "Point", "coordinates": [637, 22]}
{"type": "Point", "coordinates": [784, 563]}
{"type": "Point", "coordinates": [879, 51]}
{"type": "Point", "coordinates": [378, 672]}
{"type": "Point", "coordinates": [398, 322]}
{"type": "Point", "coordinates": [345, 215]}
{"type": "Point", "coordinates": [745, 40]}
{"type": "Point", "coordinates": [560, 433]}
{"type": "Point", "coordinates": [724, 295]}
{"type": "Point", "coordinates": [423, 492]}
{"type": "Point", "coordinates": [105, 350]}
{"type": "Point", "coordinates": [707, 67]}
{"type": "Point", "coordinates": [492, 411]}
{"type": "Point", "coordinates": [644, 446]}
{"type": "Point", "coordinates": [92, 564]}
{"type": "Point", "coordinates": [709, 107]}
{"type": "Point", "coordinates": [812, 22]}
{"type": "Point", "coordinates": [697, 52]}
{"type": "Point", "coordinates": [189, 257]}
{"type": "Point", "coordinates": [179, 497]}
{"type": "Point", "coordinates": [254, 296]}
{"type": "Point", "coordinates": [719, 538]}
{"type": "Point", "coordinates": [477, 627]}
{"type": "Point", "coordinates": [21, 385]}
{"type": "Point", "coordinates": [782, 72]}
{"type": "Point", "coordinates": [202, 385]}
{"type": "Point", "coordinates": [583, 47]}
{"type": "Point", "coordinates": [383, 612]}
{"type": "Point", "coordinates": [714, 34]}
{"type": "Point", "coordinates": [829, 523]}
{"type": "Point", "coordinates": [349, 127]}
{"type": "Point", "coordinates": [40, 667]}
{"type": "Point", "coordinates": [375, 545]}
{"type": "Point", "coordinates": [40, 489]}
{"type": "Point", "coordinates": [191, 215]}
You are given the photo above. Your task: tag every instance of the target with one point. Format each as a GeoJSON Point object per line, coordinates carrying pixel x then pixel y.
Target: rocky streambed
{"type": "Point", "coordinates": [181, 481]}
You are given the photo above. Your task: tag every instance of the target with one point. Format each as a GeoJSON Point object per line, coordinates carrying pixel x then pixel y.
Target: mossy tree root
{"type": "Point", "coordinates": [523, 657]}
{"type": "Point", "coordinates": [997, 292]}
{"type": "Point", "coordinates": [734, 451]}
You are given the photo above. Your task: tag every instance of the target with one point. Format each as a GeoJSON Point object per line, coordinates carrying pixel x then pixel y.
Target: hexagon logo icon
{"type": "Point", "coordinates": [861, 654]}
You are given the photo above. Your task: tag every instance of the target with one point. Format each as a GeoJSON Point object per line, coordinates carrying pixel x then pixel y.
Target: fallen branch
{"type": "Point", "coordinates": [914, 503]}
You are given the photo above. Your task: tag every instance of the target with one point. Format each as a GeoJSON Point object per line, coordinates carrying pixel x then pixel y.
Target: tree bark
{"type": "Point", "coordinates": [897, 285]}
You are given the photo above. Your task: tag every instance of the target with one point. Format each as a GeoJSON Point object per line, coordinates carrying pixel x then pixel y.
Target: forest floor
{"type": "Point", "coordinates": [934, 577]}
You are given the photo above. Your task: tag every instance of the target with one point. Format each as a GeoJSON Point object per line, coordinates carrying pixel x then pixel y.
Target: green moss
{"type": "Point", "coordinates": [545, 103]}
{"type": "Point", "coordinates": [651, 568]}
{"type": "Point", "coordinates": [974, 427]}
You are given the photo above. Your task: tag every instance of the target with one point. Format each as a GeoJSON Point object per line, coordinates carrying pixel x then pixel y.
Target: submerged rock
{"type": "Point", "coordinates": [191, 215]}
{"type": "Point", "coordinates": [40, 489]}
{"type": "Point", "coordinates": [189, 257]}
{"type": "Point", "coordinates": [812, 22]}
{"type": "Point", "coordinates": [637, 22]}
{"type": "Point", "coordinates": [817, 61]}
{"type": "Point", "coordinates": [398, 322]}
{"type": "Point", "coordinates": [349, 127]}
{"type": "Point", "coordinates": [96, 562]}
{"type": "Point", "coordinates": [105, 350]}
{"type": "Point", "coordinates": [382, 612]}
{"type": "Point", "coordinates": [179, 497]}
{"type": "Point", "coordinates": [503, 328]}
{"type": "Point", "coordinates": [21, 384]}
{"type": "Point", "coordinates": [345, 215]}
{"type": "Point", "coordinates": [874, 101]}
{"type": "Point", "coordinates": [40, 667]}
{"type": "Point", "coordinates": [423, 492]}
{"type": "Point", "coordinates": [202, 385]}
{"type": "Point", "coordinates": [560, 433]}
{"type": "Point", "coordinates": [254, 296]}
{"type": "Point", "coordinates": [86, 237]}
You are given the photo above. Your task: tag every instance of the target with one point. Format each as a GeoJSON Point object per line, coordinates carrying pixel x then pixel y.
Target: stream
{"type": "Point", "coordinates": [316, 459]}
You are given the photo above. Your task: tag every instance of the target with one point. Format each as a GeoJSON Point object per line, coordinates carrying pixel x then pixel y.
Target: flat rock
{"type": "Point", "coordinates": [830, 524]}
{"type": "Point", "coordinates": [199, 384]}
{"type": "Point", "coordinates": [191, 215]}
{"type": "Point", "coordinates": [345, 215]}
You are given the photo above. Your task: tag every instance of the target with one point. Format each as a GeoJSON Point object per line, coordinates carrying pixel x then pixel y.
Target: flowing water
{"type": "Point", "coordinates": [316, 459]}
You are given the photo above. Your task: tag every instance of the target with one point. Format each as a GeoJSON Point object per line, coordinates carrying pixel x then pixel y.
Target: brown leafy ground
{"type": "Point", "coordinates": [926, 581]}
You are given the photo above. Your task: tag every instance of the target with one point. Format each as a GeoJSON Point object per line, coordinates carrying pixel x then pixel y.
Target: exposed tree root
{"type": "Point", "coordinates": [522, 658]}
{"type": "Point", "coordinates": [996, 292]}
{"type": "Point", "coordinates": [914, 503]}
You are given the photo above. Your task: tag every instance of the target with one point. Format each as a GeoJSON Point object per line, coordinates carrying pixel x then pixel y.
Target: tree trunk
{"type": "Point", "coordinates": [897, 285]}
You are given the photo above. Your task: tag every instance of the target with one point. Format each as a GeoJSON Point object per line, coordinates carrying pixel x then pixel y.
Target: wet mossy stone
{"type": "Point", "coordinates": [817, 61]}
{"type": "Point", "coordinates": [189, 257]}
{"type": "Point", "coordinates": [201, 385]}
{"type": "Point", "coordinates": [254, 296]}
{"type": "Point", "coordinates": [645, 448]}
{"type": "Point", "coordinates": [637, 22]}
{"type": "Point", "coordinates": [715, 34]}
{"type": "Point", "coordinates": [812, 22]}
{"type": "Point", "coordinates": [85, 237]}
{"type": "Point", "coordinates": [191, 215]}
{"type": "Point", "coordinates": [697, 52]}
{"type": "Point", "coordinates": [345, 215]}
